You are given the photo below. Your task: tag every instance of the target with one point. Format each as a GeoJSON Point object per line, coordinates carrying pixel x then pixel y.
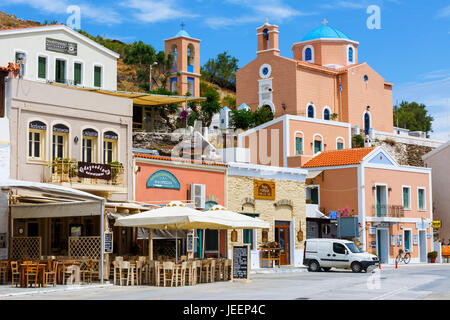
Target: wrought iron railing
{"type": "Point", "coordinates": [66, 170]}
{"type": "Point", "coordinates": [392, 211]}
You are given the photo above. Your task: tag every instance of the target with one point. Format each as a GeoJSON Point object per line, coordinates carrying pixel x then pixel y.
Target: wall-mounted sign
{"type": "Point", "coordinates": [108, 242]}
{"type": "Point", "coordinates": [372, 230]}
{"type": "Point", "coordinates": [163, 179]}
{"type": "Point", "coordinates": [416, 239]}
{"type": "Point", "coordinates": [393, 240]}
{"type": "Point", "coordinates": [38, 125]}
{"type": "Point", "coordinates": [61, 46]}
{"type": "Point", "coordinates": [264, 190]}
{"type": "Point", "coordinates": [399, 240]}
{"type": "Point", "coordinates": [422, 225]}
{"type": "Point", "coordinates": [190, 243]}
{"type": "Point", "coordinates": [437, 224]}
{"type": "Point", "coordinates": [94, 170]}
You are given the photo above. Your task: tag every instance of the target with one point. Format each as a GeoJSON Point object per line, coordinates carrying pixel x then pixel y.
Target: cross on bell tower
{"type": "Point", "coordinates": [325, 22]}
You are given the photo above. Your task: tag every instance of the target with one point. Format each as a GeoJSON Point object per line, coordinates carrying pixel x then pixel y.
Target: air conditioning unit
{"type": "Point", "coordinates": [198, 195]}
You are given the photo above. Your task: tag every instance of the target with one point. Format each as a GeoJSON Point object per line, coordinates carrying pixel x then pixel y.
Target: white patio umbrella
{"type": "Point", "coordinates": [236, 220]}
{"type": "Point", "coordinates": [174, 216]}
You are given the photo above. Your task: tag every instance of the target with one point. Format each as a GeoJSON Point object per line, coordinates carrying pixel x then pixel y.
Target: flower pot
{"type": "Point", "coordinates": [432, 260]}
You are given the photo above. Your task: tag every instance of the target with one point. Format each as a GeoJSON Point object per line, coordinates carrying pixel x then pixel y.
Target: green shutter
{"type": "Point", "coordinates": [42, 68]}
{"type": "Point", "coordinates": [405, 197]}
{"type": "Point", "coordinates": [97, 76]}
{"type": "Point", "coordinates": [421, 199]}
{"type": "Point", "coordinates": [340, 145]}
{"type": "Point", "coordinates": [60, 71]}
{"type": "Point", "coordinates": [298, 145]}
{"type": "Point", "coordinates": [77, 73]}
{"type": "Point", "coordinates": [317, 146]}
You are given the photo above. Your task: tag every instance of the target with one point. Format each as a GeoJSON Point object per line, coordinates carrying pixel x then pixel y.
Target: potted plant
{"type": "Point", "coordinates": [432, 256]}
{"type": "Point", "coordinates": [116, 170]}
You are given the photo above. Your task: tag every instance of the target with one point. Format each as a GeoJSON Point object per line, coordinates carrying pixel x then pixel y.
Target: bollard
{"type": "Point", "coordinates": [379, 265]}
{"type": "Point", "coordinates": [396, 264]}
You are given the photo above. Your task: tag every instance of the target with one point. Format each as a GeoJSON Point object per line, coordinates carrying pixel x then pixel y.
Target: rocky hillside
{"type": "Point", "coordinates": [405, 154]}
{"type": "Point", "coordinates": [10, 21]}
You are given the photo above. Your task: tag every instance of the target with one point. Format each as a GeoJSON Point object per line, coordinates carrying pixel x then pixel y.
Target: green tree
{"type": "Point", "coordinates": [413, 116]}
{"type": "Point", "coordinates": [242, 119]}
{"type": "Point", "coordinates": [166, 110]}
{"type": "Point", "coordinates": [221, 71]}
{"type": "Point", "coordinates": [262, 115]}
{"type": "Point", "coordinates": [140, 54]}
{"type": "Point", "coordinates": [229, 101]}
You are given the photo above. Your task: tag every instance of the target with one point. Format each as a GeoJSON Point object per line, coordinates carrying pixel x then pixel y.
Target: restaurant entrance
{"type": "Point", "coordinates": [282, 232]}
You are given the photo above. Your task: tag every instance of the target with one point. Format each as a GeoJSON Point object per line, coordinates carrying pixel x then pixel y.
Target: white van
{"type": "Point", "coordinates": [328, 253]}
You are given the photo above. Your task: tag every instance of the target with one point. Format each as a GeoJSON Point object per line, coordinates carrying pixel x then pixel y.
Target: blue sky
{"type": "Point", "coordinates": [411, 49]}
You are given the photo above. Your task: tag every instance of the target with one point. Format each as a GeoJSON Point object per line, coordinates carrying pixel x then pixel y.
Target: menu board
{"type": "Point", "coordinates": [108, 242]}
{"type": "Point", "coordinates": [190, 242]}
{"type": "Point", "coordinates": [241, 262]}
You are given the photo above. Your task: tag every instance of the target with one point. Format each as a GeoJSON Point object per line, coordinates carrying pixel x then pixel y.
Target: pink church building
{"type": "Point", "coordinates": [323, 80]}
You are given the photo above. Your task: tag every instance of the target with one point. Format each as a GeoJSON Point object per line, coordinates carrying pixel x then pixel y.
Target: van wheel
{"type": "Point", "coordinates": [314, 266]}
{"type": "Point", "coordinates": [356, 267]}
{"type": "Point", "coordinates": [326, 269]}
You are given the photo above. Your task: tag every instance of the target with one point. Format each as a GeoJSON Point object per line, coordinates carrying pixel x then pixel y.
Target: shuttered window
{"type": "Point", "coordinates": [298, 145]}
{"type": "Point", "coordinates": [406, 197]}
{"type": "Point", "coordinates": [42, 68]}
{"type": "Point", "coordinates": [77, 73]}
{"type": "Point", "coordinates": [97, 76]}
{"type": "Point", "coordinates": [60, 71]}
{"type": "Point", "coordinates": [421, 199]}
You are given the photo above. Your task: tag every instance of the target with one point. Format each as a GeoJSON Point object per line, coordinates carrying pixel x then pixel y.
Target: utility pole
{"type": "Point", "coordinates": [151, 65]}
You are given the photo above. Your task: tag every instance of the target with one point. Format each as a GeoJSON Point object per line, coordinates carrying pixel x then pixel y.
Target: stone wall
{"type": "Point", "coordinates": [240, 188]}
{"type": "Point", "coordinates": [162, 142]}
{"type": "Point", "coordinates": [405, 154]}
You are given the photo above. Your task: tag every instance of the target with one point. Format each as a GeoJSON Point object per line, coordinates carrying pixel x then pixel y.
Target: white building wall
{"type": "Point", "coordinates": [33, 44]}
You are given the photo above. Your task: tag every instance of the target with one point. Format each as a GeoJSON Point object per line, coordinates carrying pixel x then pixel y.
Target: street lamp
{"type": "Point", "coordinates": [151, 65]}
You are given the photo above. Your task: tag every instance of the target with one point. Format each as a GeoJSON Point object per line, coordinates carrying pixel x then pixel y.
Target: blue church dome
{"type": "Point", "coordinates": [183, 33]}
{"type": "Point", "coordinates": [325, 31]}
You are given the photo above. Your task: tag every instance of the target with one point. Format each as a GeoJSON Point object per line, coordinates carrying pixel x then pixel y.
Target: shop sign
{"type": "Point", "coordinates": [416, 239]}
{"type": "Point", "coordinates": [61, 46]}
{"type": "Point", "coordinates": [372, 230]}
{"type": "Point", "coordinates": [190, 242]}
{"type": "Point", "coordinates": [393, 240]}
{"type": "Point", "coordinates": [164, 180]}
{"type": "Point", "coordinates": [264, 190]}
{"type": "Point", "coordinates": [94, 170]}
{"type": "Point", "coordinates": [422, 225]}
{"type": "Point", "coordinates": [437, 224]}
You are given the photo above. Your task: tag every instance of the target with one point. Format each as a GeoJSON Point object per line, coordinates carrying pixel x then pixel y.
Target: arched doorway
{"type": "Point", "coordinates": [367, 121]}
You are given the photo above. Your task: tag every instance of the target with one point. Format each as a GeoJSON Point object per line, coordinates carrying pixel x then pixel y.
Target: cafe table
{"type": "Point", "coordinates": [41, 272]}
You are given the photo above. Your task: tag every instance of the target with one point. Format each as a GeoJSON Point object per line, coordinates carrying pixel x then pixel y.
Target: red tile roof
{"type": "Point", "coordinates": [338, 157]}
{"type": "Point", "coordinates": [207, 163]}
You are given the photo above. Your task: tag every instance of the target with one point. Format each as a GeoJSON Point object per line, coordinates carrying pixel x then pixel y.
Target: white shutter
{"type": "Point", "coordinates": [198, 192]}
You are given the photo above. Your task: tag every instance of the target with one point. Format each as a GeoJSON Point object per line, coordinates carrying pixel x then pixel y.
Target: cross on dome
{"type": "Point", "coordinates": [325, 22]}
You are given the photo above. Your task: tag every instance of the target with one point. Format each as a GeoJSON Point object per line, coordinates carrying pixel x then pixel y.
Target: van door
{"type": "Point", "coordinates": [340, 259]}
{"type": "Point", "coordinates": [324, 253]}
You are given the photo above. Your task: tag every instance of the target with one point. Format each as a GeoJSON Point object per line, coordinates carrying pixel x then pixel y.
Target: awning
{"type": "Point", "coordinates": [158, 234]}
{"type": "Point", "coordinates": [313, 173]}
{"type": "Point", "coordinates": [142, 99]}
{"type": "Point", "coordinates": [312, 211]}
{"type": "Point", "coordinates": [55, 210]}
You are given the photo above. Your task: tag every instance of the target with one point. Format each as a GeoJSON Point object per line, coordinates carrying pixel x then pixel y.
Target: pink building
{"type": "Point", "coordinates": [290, 141]}
{"type": "Point", "coordinates": [393, 203]}
{"type": "Point", "coordinates": [323, 80]}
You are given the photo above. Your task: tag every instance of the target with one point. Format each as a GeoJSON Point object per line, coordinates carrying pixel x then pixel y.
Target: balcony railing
{"type": "Point", "coordinates": [392, 211]}
{"type": "Point", "coordinates": [68, 171]}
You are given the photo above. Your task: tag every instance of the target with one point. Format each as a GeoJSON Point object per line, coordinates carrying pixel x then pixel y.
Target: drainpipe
{"type": "Point", "coordinates": [102, 237]}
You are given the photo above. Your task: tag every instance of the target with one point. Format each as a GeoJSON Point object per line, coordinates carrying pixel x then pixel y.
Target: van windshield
{"type": "Point", "coordinates": [353, 247]}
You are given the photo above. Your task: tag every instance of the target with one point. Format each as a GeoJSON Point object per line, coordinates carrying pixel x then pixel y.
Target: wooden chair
{"type": "Point", "coordinates": [206, 270]}
{"type": "Point", "coordinates": [50, 273]}
{"type": "Point", "coordinates": [198, 271]}
{"type": "Point", "coordinates": [138, 271]}
{"type": "Point", "coordinates": [15, 274]}
{"type": "Point", "coordinates": [88, 272]}
{"type": "Point", "coordinates": [32, 272]}
{"type": "Point", "coordinates": [189, 277]}
{"type": "Point", "coordinates": [126, 271]}
{"type": "Point", "coordinates": [3, 272]}
{"type": "Point", "coordinates": [168, 272]}
{"type": "Point", "coordinates": [226, 269]}
{"type": "Point", "coordinates": [117, 271]}
{"type": "Point", "coordinates": [157, 269]}
{"type": "Point", "coordinates": [180, 275]}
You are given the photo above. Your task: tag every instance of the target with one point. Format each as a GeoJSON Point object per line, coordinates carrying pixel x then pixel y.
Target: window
{"type": "Point", "coordinates": [36, 140]}
{"type": "Point", "coordinates": [338, 248]}
{"type": "Point", "coordinates": [421, 196]}
{"type": "Point", "coordinates": [21, 60]}
{"type": "Point", "coordinates": [266, 39]}
{"type": "Point", "coordinates": [60, 71]}
{"type": "Point", "coordinates": [366, 123]}
{"type": "Point", "coordinates": [89, 147]}
{"type": "Point", "coordinates": [77, 73]}
{"type": "Point", "coordinates": [247, 236]}
{"type": "Point", "coordinates": [317, 146]}
{"type": "Point", "coordinates": [366, 78]}
{"type": "Point", "coordinates": [340, 144]}
{"type": "Point", "coordinates": [350, 54]}
{"type": "Point", "coordinates": [97, 76]}
{"type": "Point", "coordinates": [110, 147]}
{"type": "Point", "coordinates": [42, 67]}
{"type": "Point", "coordinates": [60, 140]}
{"type": "Point", "coordinates": [190, 58]}
{"type": "Point", "coordinates": [310, 111]}
{"type": "Point", "coordinates": [406, 197]}
{"type": "Point", "coordinates": [299, 145]}
{"type": "Point", "coordinates": [173, 84]}
{"type": "Point", "coordinates": [326, 114]}
{"type": "Point", "coordinates": [308, 54]}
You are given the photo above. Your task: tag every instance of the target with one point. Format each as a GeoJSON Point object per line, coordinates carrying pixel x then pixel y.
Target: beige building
{"type": "Point", "coordinates": [55, 130]}
{"type": "Point", "coordinates": [438, 160]}
{"type": "Point", "coordinates": [275, 195]}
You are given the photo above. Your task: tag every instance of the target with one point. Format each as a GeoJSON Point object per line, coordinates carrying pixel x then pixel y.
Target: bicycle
{"type": "Point", "coordinates": [405, 258]}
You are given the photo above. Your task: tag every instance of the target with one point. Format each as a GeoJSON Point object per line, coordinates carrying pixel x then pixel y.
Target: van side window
{"type": "Point", "coordinates": [338, 248]}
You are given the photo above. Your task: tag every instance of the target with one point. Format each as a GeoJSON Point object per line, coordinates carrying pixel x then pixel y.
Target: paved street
{"type": "Point", "coordinates": [408, 282]}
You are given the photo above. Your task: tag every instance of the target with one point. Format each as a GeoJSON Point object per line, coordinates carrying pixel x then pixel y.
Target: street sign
{"type": "Point", "coordinates": [437, 224]}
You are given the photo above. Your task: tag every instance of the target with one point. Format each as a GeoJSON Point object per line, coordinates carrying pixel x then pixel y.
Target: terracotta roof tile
{"type": "Point", "coordinates": [208, 163]}
{"type": "Point", "coordinates": [338, 157]}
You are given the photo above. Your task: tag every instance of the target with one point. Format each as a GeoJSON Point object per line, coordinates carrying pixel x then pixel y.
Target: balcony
{"type": "Point", "coordinates": [388, 211]}
{"type": "Point", "coordinates": [90, 177]}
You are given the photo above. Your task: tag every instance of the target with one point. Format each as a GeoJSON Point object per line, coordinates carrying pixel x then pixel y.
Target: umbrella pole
{"type": "Point", "coordinates": [176, 245]}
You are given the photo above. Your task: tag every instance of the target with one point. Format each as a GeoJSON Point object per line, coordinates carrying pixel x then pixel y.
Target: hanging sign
{"type": "Point", "coordinates": [437, 224]}
{"type": "Point", "coordinates": [264, 190]}
{"type": "Point", "coordinates": [241, 262]}
{"type": "Point", "coordinates": [164, 180]}
{"type": "Point", "coordinates": [94, 170]}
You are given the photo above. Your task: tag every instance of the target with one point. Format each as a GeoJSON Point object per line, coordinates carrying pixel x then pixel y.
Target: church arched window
{"type": "Point", "coordinates": [311, 111]}
{"type": "Point", "coordinates": [308, 54]}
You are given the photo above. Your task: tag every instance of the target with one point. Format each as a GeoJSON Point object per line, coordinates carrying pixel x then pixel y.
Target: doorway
{"type": "Point", "coordinates": [282, 232]}
{"type": "Point", "coordinates": [383, 245]}
{"type": "Point", "coordinates": [407, 237]}
{"type": "Point", "coordinates": [422, 246]}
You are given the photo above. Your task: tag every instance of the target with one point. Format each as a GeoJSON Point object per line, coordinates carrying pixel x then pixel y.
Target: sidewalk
{"type": "Point", "coordinates": [282, 269]}
{"type": "Point", "coordinates": [9, 291]}
{"type": "Point", "coordinates": [409, 265]}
